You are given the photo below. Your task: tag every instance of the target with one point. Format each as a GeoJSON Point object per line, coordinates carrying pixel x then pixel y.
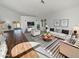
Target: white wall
{"type": "Point", "coordinates": [8, 15]}
{"type": "Point", "coordinates": [25, 19]}
{"type": "Point", "coordinates": [71, 14]}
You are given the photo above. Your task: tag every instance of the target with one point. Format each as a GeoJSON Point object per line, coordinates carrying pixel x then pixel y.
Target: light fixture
{"type": "Point", "coordinates": [42, 1]}
{"type": "Point", "coordinates": [75, 28]}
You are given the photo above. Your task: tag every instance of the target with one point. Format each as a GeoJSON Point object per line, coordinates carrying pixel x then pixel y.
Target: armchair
{"type": "Point", "coordinates": [35, 32]}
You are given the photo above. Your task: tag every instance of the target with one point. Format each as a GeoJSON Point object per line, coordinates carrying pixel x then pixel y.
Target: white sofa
{"type": "Point", "coordinates": [61, 35]}
{"type": "Point", "coordinates": [35, 32]}
{"type": "Point", "coordinates": [3, 49]}
{"type": "Point", "coordinates": [29, 29]}
{"type": "Point", "coordinates": [67, 48]}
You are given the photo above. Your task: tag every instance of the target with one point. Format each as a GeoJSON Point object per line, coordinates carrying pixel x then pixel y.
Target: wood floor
{"type": "Point", "coordinates": [15, 37]}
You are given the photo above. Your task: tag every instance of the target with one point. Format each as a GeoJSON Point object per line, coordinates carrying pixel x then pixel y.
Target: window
{"type": "Point", "coordinates": [18, 25]}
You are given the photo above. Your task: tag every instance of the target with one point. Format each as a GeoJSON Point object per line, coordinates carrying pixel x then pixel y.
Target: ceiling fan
{"type": "Point", "coordinates": [42, 1]}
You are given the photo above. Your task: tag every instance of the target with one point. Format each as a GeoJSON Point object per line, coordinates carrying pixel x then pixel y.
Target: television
{"type": "Point", "coordinates": [65, 31]}
{"type": "Point", "coordinates": [51, 29]}
{"type": "Point", "coordinates": [30, 23]}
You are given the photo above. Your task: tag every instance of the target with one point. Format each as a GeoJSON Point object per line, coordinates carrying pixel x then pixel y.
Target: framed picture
{"type": "Point", "coordinates": [57, 23]}
{"type": "Point", "coordinates": [65, 22]}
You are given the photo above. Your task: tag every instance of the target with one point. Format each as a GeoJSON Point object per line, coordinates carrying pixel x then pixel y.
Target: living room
{"type": "Point", "coordinates": [46, 26]}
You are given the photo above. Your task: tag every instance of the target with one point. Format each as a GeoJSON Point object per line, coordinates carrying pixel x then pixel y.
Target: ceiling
{"type": "Point", "coordinates": [36, 8]}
